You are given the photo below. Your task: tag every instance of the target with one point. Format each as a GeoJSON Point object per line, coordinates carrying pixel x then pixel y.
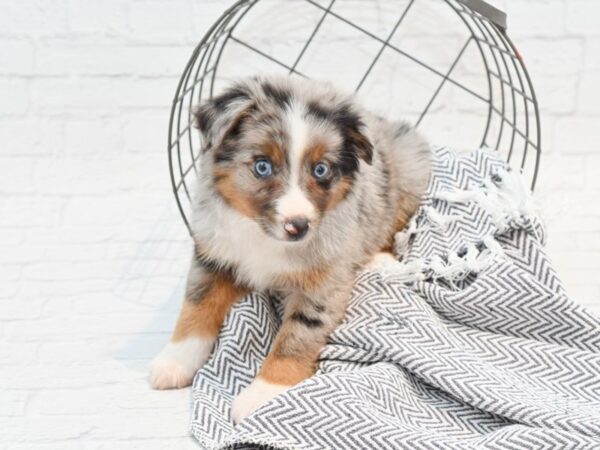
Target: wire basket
{"type": "Point", "coordinates": [446, 65]}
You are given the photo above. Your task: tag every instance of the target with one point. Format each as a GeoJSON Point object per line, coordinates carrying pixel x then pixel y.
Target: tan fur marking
{"type": "Point", "coordinates": [388, 247]}
{"type": "Point", "coordinates": [307, 280]}
{"type": "Point", "coordinates": [272, 150]}
{"type": "Point", "coordinates": [232, 195]}
{"type": "Point", "coordinates": [287, 370]}
{"type": "Point", "coordinates": [364, 144]}
{"type": "Point", "coordinates": [327, 199]}
{"type": "Point", "coordinates": [406, 209]}
{"type": "Point", "coordinates": [205, 317]}
{"type": "Point", "coordinates": [315, 153]}
{"type": "Point", "coordinates": [339, 192]}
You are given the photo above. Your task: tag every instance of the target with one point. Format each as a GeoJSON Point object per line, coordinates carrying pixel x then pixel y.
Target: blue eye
{"type": "Point", "coordinates": [321, 170]}
{"type": "Point", "coordinates": [263, 168]}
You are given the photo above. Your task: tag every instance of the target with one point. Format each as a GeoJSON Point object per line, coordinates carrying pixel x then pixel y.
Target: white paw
{"type": "Point", "coordinates": [255, 395]}
{"type": "Point", "coordinates": [177, 363]}
{"type": "Point", "coordinates": [381, 260]}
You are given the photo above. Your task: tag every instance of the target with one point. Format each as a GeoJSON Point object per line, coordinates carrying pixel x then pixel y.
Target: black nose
{"type": "Point", "coordinates": [296, 227]}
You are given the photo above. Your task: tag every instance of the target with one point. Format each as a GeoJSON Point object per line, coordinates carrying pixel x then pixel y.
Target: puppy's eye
{"type": "Point", "coordinates": [263, 168]}
{"type": "Point", "coordinates": [321, 170]}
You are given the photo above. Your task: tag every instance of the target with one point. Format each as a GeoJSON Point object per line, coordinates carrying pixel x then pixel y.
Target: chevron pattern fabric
{"type": "Point", "coordinates": [480, 347]}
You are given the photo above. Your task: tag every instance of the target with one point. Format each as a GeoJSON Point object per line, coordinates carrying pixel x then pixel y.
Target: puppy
{"type": "Point", "coordinates": [299, 188]}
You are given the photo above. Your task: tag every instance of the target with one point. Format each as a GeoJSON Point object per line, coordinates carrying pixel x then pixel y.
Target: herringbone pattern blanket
{"type": "Point", "coordinates": [468, 342]}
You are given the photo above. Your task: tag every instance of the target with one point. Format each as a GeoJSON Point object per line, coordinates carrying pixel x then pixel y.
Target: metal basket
{"type": "Point", "coordinates": [389, 38]}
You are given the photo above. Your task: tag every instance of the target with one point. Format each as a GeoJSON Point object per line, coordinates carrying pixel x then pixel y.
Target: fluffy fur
{"type": "Point", "coordinates": [292, 231]}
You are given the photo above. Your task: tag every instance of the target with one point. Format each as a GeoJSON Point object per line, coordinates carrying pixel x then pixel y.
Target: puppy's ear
{"type": "Point", "coordinates": [222, 115]}
{"type": "Point", "coordinates": [352, 127]}
{"type": "Point", "coordinates": [362, 145]}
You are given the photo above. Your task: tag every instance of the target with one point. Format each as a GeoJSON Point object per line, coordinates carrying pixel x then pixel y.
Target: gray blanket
{"type": "Point", "coordinates": [469, 341]}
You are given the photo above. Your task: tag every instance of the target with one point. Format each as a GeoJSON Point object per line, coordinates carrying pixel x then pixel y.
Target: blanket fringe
{"type": "Point", "coordinates": [504, 196]}
{"type": "Point", "coordinates": [456, 268]}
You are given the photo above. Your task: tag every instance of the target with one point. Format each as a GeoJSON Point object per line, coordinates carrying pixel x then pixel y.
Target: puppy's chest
{"type": "Point", "coordinates": [258, 261]}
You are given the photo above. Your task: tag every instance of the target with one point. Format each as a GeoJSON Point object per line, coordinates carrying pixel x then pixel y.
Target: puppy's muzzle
{"type": "Point", "coordinates": [296, 227]}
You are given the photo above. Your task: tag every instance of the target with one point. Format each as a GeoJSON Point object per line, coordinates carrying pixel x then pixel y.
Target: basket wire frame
{"type": "Point", "coordinates": [510, 99]}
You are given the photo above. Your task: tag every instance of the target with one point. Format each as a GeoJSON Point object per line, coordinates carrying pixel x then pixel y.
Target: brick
{"type": "Point", "coordinates": [91, 234]}
{"type": "Point", "coordinates": [26, 308]}
{"type": "Point", "coordinates": [105, 211]}
{"type": "Point", "coordinates": [587, 205]}
{"type": "Point", "coordinates": [535, 18]}
{"type": "Point", "coordinates": [33, 17]}
{"type": "Point", "coordinates": [574, 276]}
{"type": "Point", "coordinates": [557, 95]}
{"type": "Point", "coordinates": [90, 57]}
{"type": "Point", "coordinates": [8, 291]}
{"type": "Point", "coordinates": [162, 19]}
{"type": "Point", "coordinates": [588, 241]}
{"type": "Point", "coordinates": [57, 376]}
{"type": "Point", "coordinates": [79, 252]}
{"type": "Point", "coordinates": [93, 137]}
{"type": "Point", "coordinates": [10, 273]}
{"type": "Point", "coordinates": [86, 270]}
{"type": "Point", "coordinates": [101, 94]}
{"type": "Point", "coordinates": [135, 395]}
{"type": "Point", "coordinates": [582, 16]}
{"type": "Point", "coordinates": [61, 326]}
{"type": "Point", "coordinates": [71, 352]}
{"type": "Point", "coordinates": [177, 443]}
{"type": "Point", "coordinates": [15, 96]}
{"type": "Point", "coordinates": [548, 132]}
{"type": "Point", "coordinates": [11, 352]}
{"type": "Point", "coordinates": [63, 444]}
{"type": "Point", "coordinates": [589, 94]}
{"type": "Point", "coordinates": [589, 260]}
{"type": "Point", "coordinates": [11, 236]}
{"type": "Point", "coordinates": [36, 428]}
{"type": "Point", "coordinates": [18, 212]}
{"type": "Point", "coordinates": [576, 135]}
{"type": "Point", "coordinates": [17, 180]}
{"type": "Point", "coordinates": [561, 56]}
{"type": "Point", "coordinates": [90, 304]}
{"type": "Point", "coordinates": [60, 402]}
{"type": "Point", "coordinates": [18, 254]}
{"type": "Point", "coordinates": [145, 132]}
{"type": "Point", "coordinates": [97, 16]}
{"type": "Point", "coordinates": [16, 57]}
{"type": "Point", "coordinates": [13, 403]}
{"type": "Point", "coordinates": [31, 137]}
{"type": "Point", "coordinates": [561, 173]}
{"type": "Point", "coordinates": [59, 287]}
{"type": "Point", "coordinates": [575, 224]}
{"type": "Point", "coordinates": [89, 176]}
{"type": "Point", "coordinates": [592, 50]}
{"type": "Point", "coordinates": [142, 424]}
{"type": "Point", "coordinates": [592, 166]}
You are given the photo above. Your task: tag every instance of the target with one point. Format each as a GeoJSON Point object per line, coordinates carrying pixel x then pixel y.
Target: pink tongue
{"type": "Point", "coordinates": [290, 228]}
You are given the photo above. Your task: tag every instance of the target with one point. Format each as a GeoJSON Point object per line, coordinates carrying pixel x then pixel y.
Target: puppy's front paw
{"type": "Point", "coordinates": [256, 394]}
{"type": "Point", "coordinates": [177, 363]}
{"type": "Point", "coordinates": [381, 260]}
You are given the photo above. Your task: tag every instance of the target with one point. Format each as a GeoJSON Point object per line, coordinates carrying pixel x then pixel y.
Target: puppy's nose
{"type": "Point", "coordinates": [296, 227]}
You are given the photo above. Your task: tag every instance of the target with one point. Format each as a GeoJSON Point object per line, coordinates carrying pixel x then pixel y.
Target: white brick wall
{"type": "Point", "coordinates": [92, 251]}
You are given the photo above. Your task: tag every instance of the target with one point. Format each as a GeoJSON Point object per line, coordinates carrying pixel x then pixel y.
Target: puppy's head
{"type": "Point", "coordinates": [284, 152]}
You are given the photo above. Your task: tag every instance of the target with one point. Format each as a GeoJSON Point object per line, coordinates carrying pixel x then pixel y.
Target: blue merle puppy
{"type": "Point", "coordinates": [299, 189]}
